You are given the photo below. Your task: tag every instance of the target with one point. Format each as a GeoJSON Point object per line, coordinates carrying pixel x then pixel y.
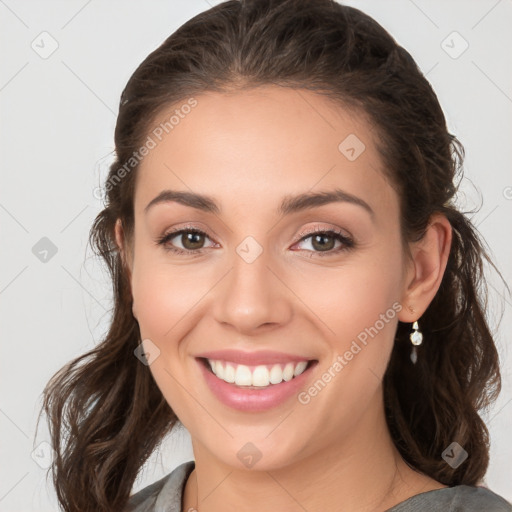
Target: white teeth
{"type": "Point", "coordinates": [243, 376]}
{"type": "Point", "coordinates": [229, 373]}
{"type": "Point", "coordinates": [288, 372]}
{"type": "Point", "coordinates": [276, 374]}
{"type": "Point", "coordinates": [300, 368]}
{"type": "Point", "coordinates": [261, 376]}
{"type": "Point", "coordinates": [219, 370]}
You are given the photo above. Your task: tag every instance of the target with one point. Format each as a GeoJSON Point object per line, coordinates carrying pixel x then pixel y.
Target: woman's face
{"type": "Point", "coordinates": [259, 279]}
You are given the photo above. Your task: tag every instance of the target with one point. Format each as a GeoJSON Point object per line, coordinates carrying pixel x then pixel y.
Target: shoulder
{"type": "Point", "coordinates": [164, 494]}
{"type": "Point", "coordinates": [460, 498]}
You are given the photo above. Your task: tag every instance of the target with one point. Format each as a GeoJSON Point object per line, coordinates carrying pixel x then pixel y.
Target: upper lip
{"type": "Point", "coordinates": [252, 358]}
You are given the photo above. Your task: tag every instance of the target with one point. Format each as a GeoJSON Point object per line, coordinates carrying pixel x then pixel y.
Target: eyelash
{"type": "Point", "coordinates": [347, 242]}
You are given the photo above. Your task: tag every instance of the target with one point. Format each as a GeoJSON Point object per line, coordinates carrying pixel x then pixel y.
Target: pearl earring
{"type": "Point", "coordinates": [416, 338]}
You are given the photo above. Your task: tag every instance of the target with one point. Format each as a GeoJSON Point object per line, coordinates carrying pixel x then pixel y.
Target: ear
{"type": "Point", "coordinates": [429, 257]}
{"type": "Point", "coordinates": [124, 252]}
{"type": "Point", "coordinates": [120, 240]}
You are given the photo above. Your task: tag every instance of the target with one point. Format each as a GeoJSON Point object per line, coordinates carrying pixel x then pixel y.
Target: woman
{"type": "Point", "coordinates": [292, 281]}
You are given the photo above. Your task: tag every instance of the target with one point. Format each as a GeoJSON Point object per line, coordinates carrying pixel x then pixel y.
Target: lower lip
{"type": "Point", "coordinates": [254, 400]}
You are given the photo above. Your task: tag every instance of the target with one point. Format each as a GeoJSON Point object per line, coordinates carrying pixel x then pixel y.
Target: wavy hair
{"type": "Point", "coordinates": [105, 412]}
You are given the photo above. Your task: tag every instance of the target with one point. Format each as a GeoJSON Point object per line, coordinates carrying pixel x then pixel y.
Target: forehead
{"type": "Point", "coordinates": [260, 143]}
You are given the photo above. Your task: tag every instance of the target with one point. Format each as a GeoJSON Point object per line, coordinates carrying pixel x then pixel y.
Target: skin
{"type": "Point", "coordinates": [248, 150]}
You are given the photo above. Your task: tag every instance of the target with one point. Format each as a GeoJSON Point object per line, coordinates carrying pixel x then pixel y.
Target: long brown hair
{"type": "Point", "coordinates": [105, 412]}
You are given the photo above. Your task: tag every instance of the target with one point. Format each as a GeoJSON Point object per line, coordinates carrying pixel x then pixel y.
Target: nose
{"type": "Point", "coordinates": [253, 296]}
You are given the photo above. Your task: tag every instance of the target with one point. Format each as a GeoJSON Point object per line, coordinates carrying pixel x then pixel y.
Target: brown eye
{"type": "Point", "coordinates": [326, 242]}
{"type": "Point", "coordinates": [323, 242]}
{"type": "Point", "coordinates": [191, 241]}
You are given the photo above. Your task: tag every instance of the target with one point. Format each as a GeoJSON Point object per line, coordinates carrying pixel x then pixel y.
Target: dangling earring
{"type": "Point", "coordinates": [416, 339]}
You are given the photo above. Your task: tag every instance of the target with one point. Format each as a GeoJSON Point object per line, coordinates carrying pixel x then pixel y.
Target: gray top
{"type": "Point", "coordinates": [165, 495]}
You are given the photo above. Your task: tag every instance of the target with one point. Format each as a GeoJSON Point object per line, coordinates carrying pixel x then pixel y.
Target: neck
{"type": "Point", "coordinates": [361, 472]}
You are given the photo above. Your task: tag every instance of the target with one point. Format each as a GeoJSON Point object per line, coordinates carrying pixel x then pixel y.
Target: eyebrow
{"type": "Point", "coordinates": [290, 204]}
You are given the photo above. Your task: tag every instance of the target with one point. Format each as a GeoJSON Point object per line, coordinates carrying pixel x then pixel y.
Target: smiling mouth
{"type": "Point", "coordinates": [258, 376]}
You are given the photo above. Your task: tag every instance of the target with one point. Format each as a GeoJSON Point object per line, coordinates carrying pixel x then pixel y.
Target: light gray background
{"type": "Point", "coordinates": [57, 120]}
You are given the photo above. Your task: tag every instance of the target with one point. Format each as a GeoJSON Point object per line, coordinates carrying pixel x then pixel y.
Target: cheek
{"type": "Point", "coordinates": [361, 291]}
{"type": "Point", "coordinates": [362, 312]}
{"type": "Point", "coordinates": [170, 297]}
{"type": "Point", "coordinates": [163, 296]}
{"type": "Point", "coordinates": [350, 298]}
